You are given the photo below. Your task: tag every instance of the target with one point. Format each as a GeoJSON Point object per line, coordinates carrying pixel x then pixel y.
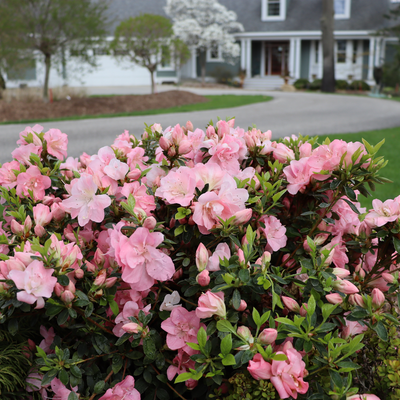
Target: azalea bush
{"type": "Point", "coordinates": [193, 264]}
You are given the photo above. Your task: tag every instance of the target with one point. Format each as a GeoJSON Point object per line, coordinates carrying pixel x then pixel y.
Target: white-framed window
{"type": "Point", "coordinates": [341, 51]}
{"type": "Point", "coordinates": [273, 10]}
{"type": "Point", "coordinates": [214, 54]}
{"type": "Point", "coordinates": [342, 9]}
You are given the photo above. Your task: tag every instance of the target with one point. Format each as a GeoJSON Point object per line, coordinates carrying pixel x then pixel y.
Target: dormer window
{"type": "Point", "coordinates": [342, 9]}
{"type": "Point", "coordinates": [273, 10]}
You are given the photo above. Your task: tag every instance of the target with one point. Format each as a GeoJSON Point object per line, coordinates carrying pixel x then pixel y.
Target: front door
{"type": "Point", "coordinates": [276, 57]}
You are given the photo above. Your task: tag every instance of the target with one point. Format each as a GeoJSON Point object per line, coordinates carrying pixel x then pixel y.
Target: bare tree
{"type": "Point", "coordinates": [327, 23]}
{"type": "Point", "coordinates": [51, 26]}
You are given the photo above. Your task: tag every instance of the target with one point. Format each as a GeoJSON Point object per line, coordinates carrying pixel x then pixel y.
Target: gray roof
{"type": "Point", "coordinates": [301, 15]}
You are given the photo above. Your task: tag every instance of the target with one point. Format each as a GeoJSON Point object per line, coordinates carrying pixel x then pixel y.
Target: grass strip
{"type": "Point", "coordinates": [390, 151]}
{"type": "Point", "coordinates": [214, 102]}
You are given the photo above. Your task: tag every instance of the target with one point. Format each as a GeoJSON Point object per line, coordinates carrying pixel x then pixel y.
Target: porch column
{"type": "Point", "coordinates": [248, 58]}
{"type": "Point", "coordinates": [297, 59]}
{"type": "Point", "coordinates": [349, 59]}
{"type": "Point", "coordinates": [378, 51]}
{"type": "Point", "coordinates": [320, 60]}
{"type": "Point", "coordinates": [242, 54]}
{"type": "Point", "coordinates": [371, 59]}
{"type": "Point", "coordinates": [291, 57]}
{"type": "Point", "coordinates": [194, 64]}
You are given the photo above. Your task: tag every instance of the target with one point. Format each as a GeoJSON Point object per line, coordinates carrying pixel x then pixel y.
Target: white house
{"type": "Point", "coordinates": [280, 37]}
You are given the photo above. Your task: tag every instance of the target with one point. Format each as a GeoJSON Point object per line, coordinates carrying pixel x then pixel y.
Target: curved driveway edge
{"type": "Point", "coordinates": [286, 114]}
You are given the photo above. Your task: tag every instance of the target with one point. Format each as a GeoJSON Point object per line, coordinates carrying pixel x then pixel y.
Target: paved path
{"type": "Point", "coordinates": [286, 114]}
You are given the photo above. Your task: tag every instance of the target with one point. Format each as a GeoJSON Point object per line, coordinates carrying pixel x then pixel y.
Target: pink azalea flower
{"type": "Point", "coordinates": [116, 169]}
{"type": "Point", "coordinates": [181, 327]}
{"type": "Point", "coordinates": [143, 202]}
{"type": "Point", "coordinates": [259, 368]}
{"type": "Point", "coordinates": [32, 180]}
{"type": "Point", "coordinates": [222, 251]}
{"type": "Point", "coordinates": [139, 258]}
{"type": "Point", "coordinates": [283, 154]}
{"type": "Point", "coordinates": [84, 203]}
{"type": "Point", "coordinates": [383, 212]}
{"type": "Point", "coordinates": [23, 153]}
{"type": "Point", "coordinates": [71, 164]}
{"type": "Point", "coordinates": [131, 309]}
{"type": "Point", "coordinates": [274, 231]}
{"type": "Point", "coordinates": [298, 174]}
{"type": "Point", "coordinates": [57, 143]}
{"type": "Point", "coordinates": [363, 397]}
{"type": "Point", "coordinates": [7, 175]}
{"type": "Point", "coordinates": [181, 364]}
{"type": "Point", "coordinates": [123, 390]}
{"type": "Point", "coordinates": [49, 336]}
{"type": "Point", "coordinates": [210, 304]}
{"type": "Point", "coordinates": [23, 136]}
{"type": "Point", "coordinates": [60, 391]}
{"type": "Point", "coordinates": [35, 282]}
{"type": "Point", "coordinates": [178, 187]}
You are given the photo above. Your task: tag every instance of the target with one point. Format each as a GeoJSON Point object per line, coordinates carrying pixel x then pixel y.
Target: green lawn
{"type": "Point", "coordinates": [390, 151]}
{"type": "Point", "coordinates": [213, 103]}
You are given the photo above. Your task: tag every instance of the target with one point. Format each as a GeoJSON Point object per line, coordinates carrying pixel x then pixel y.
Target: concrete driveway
{"type": "Point", "coordinates": [286, 114]}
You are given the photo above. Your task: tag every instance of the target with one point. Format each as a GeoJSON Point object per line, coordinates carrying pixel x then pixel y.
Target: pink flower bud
{"type": "Point", "coordinates": [344, 286]}
{"type": "Point", "coordinates": [303, 310]}
{"type": "Point", "coordinates": [177, 275]}
{"type": "Point", "coordinates": [378, 298]}
{"type": "Point", "coordinates": [267, 336]}
{"type": "Point", "coordinates": [67, 297]}
{"type": "Point", "coordinates": [90, 267]}
{"type": "Point", "coordinates": [240, 254]}
{"type": "Point", "coordinates": [132, 327]}
{"type": "Point", "coordinates": [39, 230]}
{"type": "Point", "coordinates": [189, 126]}
{"type": "Point", "coordinates": [243, 305]}
{"type": "Point", "coordinates": [150, 223]}
{"type": "Point", "coordinates": [291, 304]}
{"type": "Point", "coordinates": [164, 143]}
{"type": "Point", "coordinates": [71, 286]}
{"type": "Point", "coordinates": [201, 257]}
{"type": "Point", "coordinates": [57, 212]}
{"type": "Point", "coordinates": [341, 272]}
{"type": "Point", "coordinates": [203, 278]}
{"type": "Point", "coordinates": [145, 135]}
{"type": "Point", "coordinates": [334, 298]}
{"type": "Point", "coordinates": [27, 224]}
{"type": "Point", "coordinates": [243, 216]}
{"type": "Point", "coordinates": [79, 273]}
{"type": "Point", "coordinates": [184, 147]}
{"type": "Point", "coordinates": [210, 132]}
{"type": "Point", "coordinates": [100, 278]}
{"type": "Point", "coordinates": [58, 289]}
{"type": "Point", "coordinates": [356, 300]}
{"type": "Point", "coordinates": [210, 304]}
{"type": "Point", "coordinates": [16, 228]}
{"type": "Point", "coordinates": [110, 282]}
{"type": "Point", "coordinates": [389, 278]}
{"type": "Point", "coordinates": [245, 333]}
{"type": "Point", "coordinates": [42, 215]}
{"type": "Point", "coordinates": [172, 152]}
{"type": "Point", "coordinates": [156, 128]}
{"type": "Point", "coordinates": [98, 257]}
{"type": "Point", "coordinates": [134, 174]}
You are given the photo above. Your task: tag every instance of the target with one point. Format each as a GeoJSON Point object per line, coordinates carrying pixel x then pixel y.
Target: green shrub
{"type": "Point", "coordinates": [341, 84]}
{"type": "Point", "coordinates": [359, 85]}
{"type": "Point", "coordinates": [222, 75]}
{"type": "Point", "coordinates": [302, 83]}
{"type": "Point", "coordinates": [315, 85]}
{"type": "Point", "coordinates": [388, 90]}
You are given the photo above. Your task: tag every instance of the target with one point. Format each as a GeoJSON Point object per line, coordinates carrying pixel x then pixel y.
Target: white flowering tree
{"type": "Point", "coordinates": [204, 25]}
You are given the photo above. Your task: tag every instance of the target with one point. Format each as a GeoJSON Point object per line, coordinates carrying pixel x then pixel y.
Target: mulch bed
{"type": "Point", "coordinates": [34, 110]}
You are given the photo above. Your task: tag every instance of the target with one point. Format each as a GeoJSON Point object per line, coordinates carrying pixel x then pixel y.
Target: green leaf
{"type": "Point", "coordinates": [99, 386]}
{"type": "Point", "coordinates": [179, 230]}
{"type": "Point", "coordinates": [256, 317]}
{"type": "Point", "coordinates": [149, 347]}
{"type": "Point", "coordinates": [117, 363]}
{"type": "Point", "coordinates": [311, 305]}
{"type": "Point", "coordinates": [229, 359]}
{"type": "Point", "coordinates": [183, 377]}
{"type": "Point", "coordinates": [279, 357]}
{"type": "Point", "coordinates": [226, 344]}
{"type": "Point", "coordinates": [350, 193]}
{"type": "Point", "coordinates": [225, 326]}
{"type": "Point", "coordinates": [63, 377]}
{"type": "Point", "coordinates": [352, 206]}
{"type": "Point", "coordinates": [202, 337]}
{"type": "Point", "coordinates": [162, 394]}
{"type": "Point", "coordinates": [381, 331]}
{"type": "Point", "coordinates": [13, 326]}
{"type": "Point", "coordinates": [348, 364]}
{"type": "Point", "coordinates": [63, 317]}
{"type": "Point", "coordinates": [244, 275]}
{"type": "Point", "coordinates": [336, 378]}
{"type": "Point", "coordinates": [114, 307]}
{"type": "Point", "coordinates": [236, 299]}
{"type": "Point", "coordinates": [193, 346]}
{"type": "Point", "coordinates": [63, 280]}
{"type": "Point", "coordinates": [75, 371]}
{"type": "Point", "coordinates": [73, 396]}
{"type": "Point", "coordinates": [396, 244]}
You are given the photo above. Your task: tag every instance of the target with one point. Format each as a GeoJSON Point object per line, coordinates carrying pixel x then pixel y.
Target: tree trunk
{"type": "Point", "coordinates": [203, 61]}
{"type": "Point", "coordinates": [328, 75]}
{"type": "Point", "coordinates": [47, 63]}
{"type": "Point", "coordinates": [152, 81]}
{"type": "Point", "coordinates": [2, 85]}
